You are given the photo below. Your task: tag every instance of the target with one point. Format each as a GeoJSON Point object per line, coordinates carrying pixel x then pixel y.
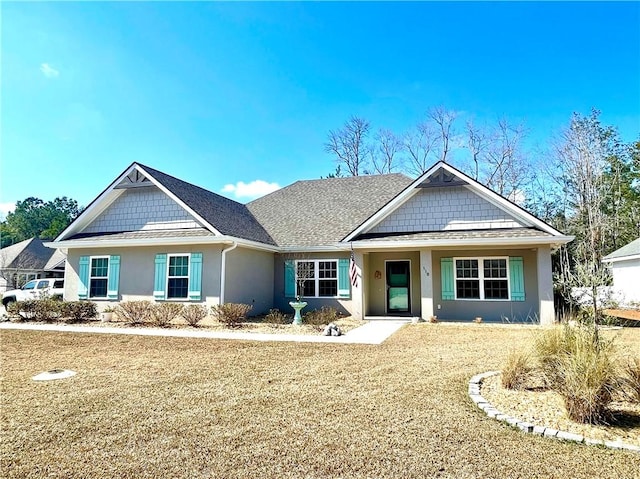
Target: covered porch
{"type": "Point", "coordinates": [406, 283]}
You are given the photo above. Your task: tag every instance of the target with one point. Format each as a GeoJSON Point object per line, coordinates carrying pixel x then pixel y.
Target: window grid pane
{"type": "Point", "coordinates": [466, 268]}
{"type": "Point", "coordinates": [99, 267]}
{"type": "Point", "coordinates": [328, 269]}
{"type": "Point", "coordinates": [178, 266]}
{"type": "Point", "coordinates": [495, 268]}
{"type": "Point", "coordinates": [177, 288]}
{"type": "Point", "coordinates": [328, 287]}
{"type": "Point", "coordinates": [496, 289]}
{"type": "Point", "coordinates": [98, 288]}
{"type": "Point", "coordinates": [468, 289]}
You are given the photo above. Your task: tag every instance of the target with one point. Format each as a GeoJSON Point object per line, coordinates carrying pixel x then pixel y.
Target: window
{"type": "Point", "coordinates": [99, 277]}
{"type": "Point", "coordinates": [178, 277]}
{"type": "Point", "coordinates": [317, 278]}
{"type": "Point", "coordinates": [481, 278]}
{"type": "Point", "coordinates": [30, 285]}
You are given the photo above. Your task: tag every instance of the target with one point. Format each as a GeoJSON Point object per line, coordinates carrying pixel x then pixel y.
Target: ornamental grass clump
{"type": "Point", "coordinates": [517, 370]}
{"type": "Point", "coordinates": [193, 314]}
{"type": "Point", "coordinates": [231, 314]}
{"type": "Point", "coordinates": [162, 314]}
{"type": "Point", "coordinates": [580, 366]}
{"type": "Point", "coordinates": [134, 312]}
{"type": "Point", "coordinates": [631, 380]}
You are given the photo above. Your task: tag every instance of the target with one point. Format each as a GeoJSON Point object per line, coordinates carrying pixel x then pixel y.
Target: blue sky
{"type": "Point", "coordinates": [222, 93]}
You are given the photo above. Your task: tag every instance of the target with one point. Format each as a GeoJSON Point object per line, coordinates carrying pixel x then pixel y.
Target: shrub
{"type": "Point", "coordinates": [162, 313]}
{"type": "Point", "coordinates": [275, 316]}
{"type": "Point", "coordinates": [194, 313]}
{"type": "Point", "coordinates": [80, 310]}
{"type": "Point", "coordinates": [23, 310]}
{"type": "Point", "coordinates": [134, 312]}
{"type": "Point", "coordinates": [631, 379]}
{"type": "Point", "coordinates": [231, 314]}
{"type": "Point", "coordinates": [516, 370]}
{"type": "Point", "coordinates": [321, 317]}
{"type": "Point", "coordinates": [48, 309]}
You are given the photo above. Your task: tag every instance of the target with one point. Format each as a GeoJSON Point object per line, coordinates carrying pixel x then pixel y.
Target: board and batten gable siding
{"type": "Point", "coordinates": [466, 310]}
{"type": "Point", "coordinates": [137, 271]}
{"type": "Point", "coordinates": [447, 208]}
{"type": "Point", "coordinates": [137, 209]}
{"type": "Point", "coordinates": [249, 279]}
{"type": "Point", "coordinates": [281, 301]}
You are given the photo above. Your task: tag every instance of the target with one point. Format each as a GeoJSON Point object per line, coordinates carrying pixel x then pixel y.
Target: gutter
{"type": "Point", "coordinates": [223, 269]}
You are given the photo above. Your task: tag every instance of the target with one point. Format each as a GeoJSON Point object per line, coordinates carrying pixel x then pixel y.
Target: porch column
{"type": "Point", "coordinates": [357, 291]}
{"type": "Point", "coordinates": [426, 284]}
{"type": "Point", "coordinates": [545, 286]}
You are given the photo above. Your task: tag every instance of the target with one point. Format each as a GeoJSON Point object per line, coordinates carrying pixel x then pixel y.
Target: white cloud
{"type": "Point", "coordinates": [6, 208]}
{"type": "Point", "coordinates": [252, 190]}
{"type": "Point", "coordinates": [48, 71]}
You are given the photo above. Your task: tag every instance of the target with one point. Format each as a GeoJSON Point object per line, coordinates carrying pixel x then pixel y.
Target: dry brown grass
{"type": "Point", "coordinates": [149, 407]}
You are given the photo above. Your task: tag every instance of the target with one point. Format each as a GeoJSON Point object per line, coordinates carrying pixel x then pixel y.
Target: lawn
{"type": "Point", "coordinates": [149, 407]}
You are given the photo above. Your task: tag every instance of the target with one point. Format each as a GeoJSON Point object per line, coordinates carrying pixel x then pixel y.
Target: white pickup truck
{"type": "Point", "coordinates": [35, 289]}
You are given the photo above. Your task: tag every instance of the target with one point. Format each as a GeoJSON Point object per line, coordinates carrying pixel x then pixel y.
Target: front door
{"type": "Point", "coordinates": [398, 287]}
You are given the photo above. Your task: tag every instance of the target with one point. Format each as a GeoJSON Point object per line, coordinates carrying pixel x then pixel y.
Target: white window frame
{"type": "Point", "coordinates": [480, 277]}
{"type": "Point", "coordinates": [91, 258]}
{"type": "Point", "coordinates": [188, 276]}
{"type": "Point", "coordinates": [316, 278]}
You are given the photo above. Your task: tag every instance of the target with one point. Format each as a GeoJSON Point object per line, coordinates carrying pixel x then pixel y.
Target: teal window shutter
{"type": "Point", "coordinates": [343, 278]}
{"type": "Point", "coordinates": [516, 278]}
{"type": "Point", "coordinates": [160, 283]}
{"type": "Point", "coordinates": [290, 279]}
{"type": "Point", "coordinates": [83, 278]}
{"type": "Point", "coordinates": [114, 277]}
{"type": "Point", "coordinates": [446, 277]}
{"type": "Point", "coordinates": [195, 277]}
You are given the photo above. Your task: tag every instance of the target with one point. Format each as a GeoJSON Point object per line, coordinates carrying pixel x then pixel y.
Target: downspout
{"type": "Point", "coordinates": [223, 269]}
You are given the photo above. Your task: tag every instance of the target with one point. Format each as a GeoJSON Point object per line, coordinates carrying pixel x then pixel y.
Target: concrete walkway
{"type": "Point", "coordinates": [373, 332]}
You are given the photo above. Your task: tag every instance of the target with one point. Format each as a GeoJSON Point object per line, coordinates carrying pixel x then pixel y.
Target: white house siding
{"type": "Point", "coordinates": [447, 208]}
{"type": "Point", "coordinates": [145, 208]}
{"type": "Point", "coordinates": [137, 271]}
{"type": "Point", "coordinates": [249, 279]}
{"type": "Point", "coordinates": [345, 306]}
{"type": "Point", "coordinates": [625, 279]}
{"type": "Point", "coordinates": [467, 310]}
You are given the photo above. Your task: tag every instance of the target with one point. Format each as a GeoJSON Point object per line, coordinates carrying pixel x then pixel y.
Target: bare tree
{"type": "Point", "coordinates": [582, 155]}
{"type": "Point", "coordinates": [477, 142]}
{"type": "Point", "coordinates": [506, 170]}
{"type": "Point", "coordinates": [350, 146]}
{"type": "Point", "coordinates": [419, 146]}
{"type": "Point", "coordinates": [384, 155]}
{"type": "Point", "coordinates": [444, 120]}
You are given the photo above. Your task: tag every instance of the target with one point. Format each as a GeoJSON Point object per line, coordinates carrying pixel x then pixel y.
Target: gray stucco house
{"type": "Point", "coordinates": [441, 244]}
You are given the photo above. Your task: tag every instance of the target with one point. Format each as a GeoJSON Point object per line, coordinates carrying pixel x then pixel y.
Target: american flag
{"type": "Point", "coordinates": [353, 272]}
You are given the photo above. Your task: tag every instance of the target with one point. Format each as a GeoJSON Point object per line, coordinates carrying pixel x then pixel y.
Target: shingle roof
{"type": "Point", "coordinates": [29, 254]}
{"type": "Point", "coordinates": [227, 216]}
{"type": "Point", "coordinates": [145, 234]}
{"type": "Point", "coordinates": [322, 212]}
{"type": "Point", "coordinates": [631, 249]}
{"type": "Point", "coordinates": [459, 235]}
